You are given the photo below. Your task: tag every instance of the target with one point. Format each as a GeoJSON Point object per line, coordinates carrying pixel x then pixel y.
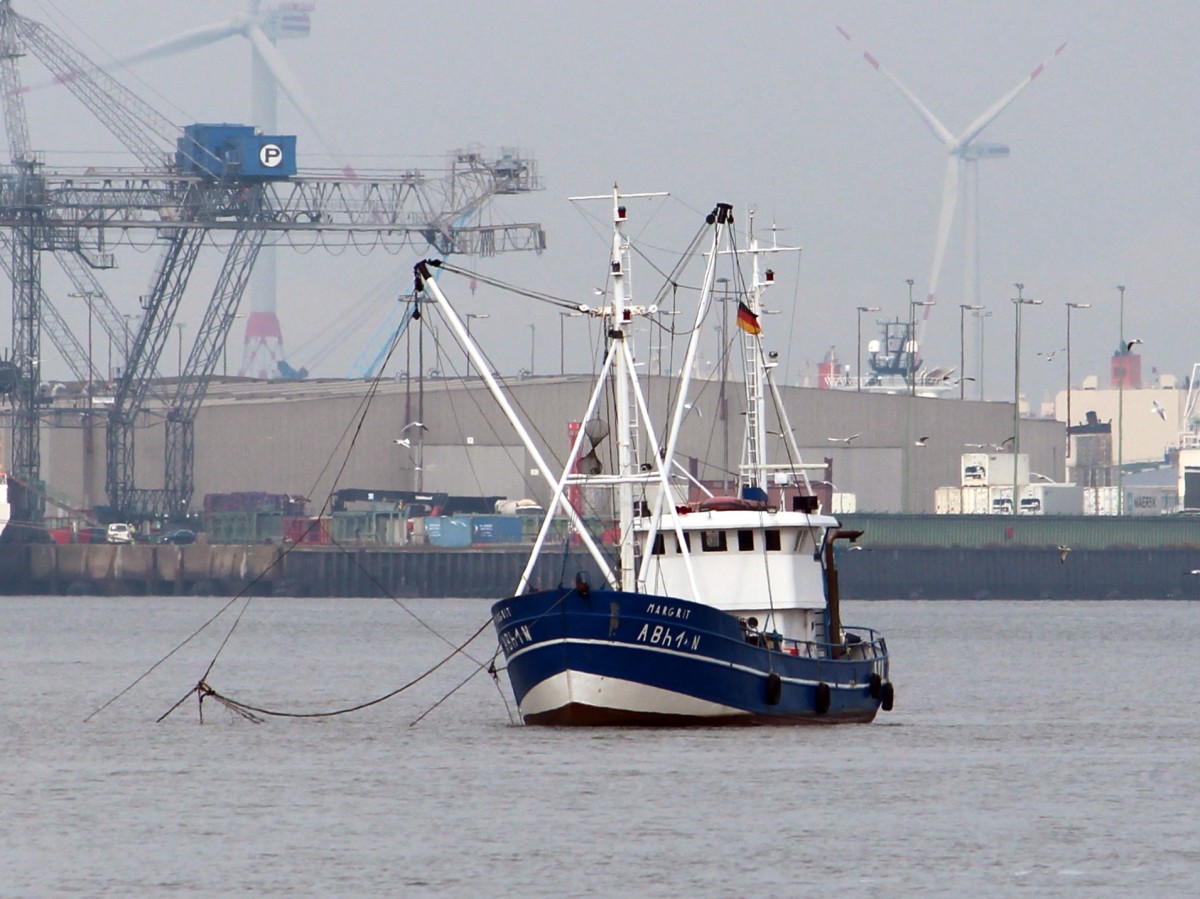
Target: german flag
{"type": "Point", "coordinates": [747, 320]}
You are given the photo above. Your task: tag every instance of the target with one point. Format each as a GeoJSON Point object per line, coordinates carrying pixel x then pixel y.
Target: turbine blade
{"type": "Point", "coordinates": [181, 43]}
{"type": "Point", "coordinates": [290, 85]}
{"type": "Point", "coordinates": [940, 131]}
{"type": "Point", "coordinates": [287, 82]}
{"type": "Point", "coordinates": [949, 203]}
{"type": "Point", "coordinates": [1000, 105]}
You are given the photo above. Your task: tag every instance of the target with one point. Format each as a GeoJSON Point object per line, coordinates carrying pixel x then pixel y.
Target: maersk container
{"type": "Point", "coordinates": [1151, 500]}
{"type": "Point", "coordinates": [947, 500]}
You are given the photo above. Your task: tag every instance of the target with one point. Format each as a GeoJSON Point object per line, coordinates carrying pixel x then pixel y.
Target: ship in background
{"type": "Point", "coordinates": [895, 366]}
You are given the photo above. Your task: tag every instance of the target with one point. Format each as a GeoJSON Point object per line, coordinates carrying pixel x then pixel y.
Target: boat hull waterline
{"type": "Point", "coordinates": [613, 658]}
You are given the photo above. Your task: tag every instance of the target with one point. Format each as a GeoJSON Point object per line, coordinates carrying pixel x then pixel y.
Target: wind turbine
{"type": "Point", "coordinates": [964, 151]}
{"type": "Point", "coordinates": [263, 26]}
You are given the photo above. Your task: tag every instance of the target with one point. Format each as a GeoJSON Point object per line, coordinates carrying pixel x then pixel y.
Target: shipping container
{"type": "Point", "coordinates": [947, 500]}
{"type": "Point", "coordinates": [497, 528]}
{"type": "Point", "coordinates": [1100, 500]}
{"type": "Point", "coordinates": [844, 503]}
{"type": "Point", "coordinates": [974, 469]}
{"type": "Point", "coordinates": [999, 469]}
{"type": "Point", "coordinates": [1051, 499]}
{"type": "Point", "coordinates": [1151, 500]}
{"type": "Point", "coordinates": [1000, 500]}
{"type": "Point", "coordinates": [976, 501]}
{"type": "Point", "coordinates": [448, 531]}
{"type": "Point", "coordinates": [1189, 480]}
{"type": "Point", "coordinates": [307, 531]}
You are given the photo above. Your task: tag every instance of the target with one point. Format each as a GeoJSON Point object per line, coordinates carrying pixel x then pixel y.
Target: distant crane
{"type": "Point", "coordinates": [186, 193]}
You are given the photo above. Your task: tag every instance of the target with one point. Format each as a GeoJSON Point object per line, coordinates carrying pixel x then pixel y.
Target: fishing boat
{"type": "Point", "coordinates": [722, 611]}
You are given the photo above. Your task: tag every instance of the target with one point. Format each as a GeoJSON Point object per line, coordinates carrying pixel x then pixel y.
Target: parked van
{"type": "Point", "coordinates": [120, 533]}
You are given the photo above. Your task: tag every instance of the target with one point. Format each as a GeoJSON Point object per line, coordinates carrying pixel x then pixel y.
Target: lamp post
{"type": "Point", "coordinates": [858, 348]}
{"type": "Point", "coordinates": [469, 316]}
{"type": "Point", "coordinates": [180, 326]}
{"type": "Point", "coordinates": [562, 356]}
{"type": "Point", "coordinates": [912, 340]}
{"type": "Point", "coordinates": [1070, 306]}
{"type": "Point", "coordinates": [1121, 410]}
{"type": "Point", "coordinates": [661, 328]}
{"type": "Point", "coordinates": [225, 344]}
{"type": "Point", "coordinates": [532, 345]}
{"type": "Point", "coordinates": [1018, 301]}
{"type": "Point", "coordinates": [963, 309]}
{"type": "Point", "coordinates": [982, 317]}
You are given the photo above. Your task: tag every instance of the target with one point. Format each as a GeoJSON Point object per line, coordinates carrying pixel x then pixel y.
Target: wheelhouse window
{"type": "Point", "coordinates": [713, 541]}
{"type": "Point", "coordinates": [745, 541]}
{"type": "Point", "coordinates": [659, 546]}
{"type": "Point", "coordinates": [687, 541]}
{"type": "Point", "coordinates": [771, 538]}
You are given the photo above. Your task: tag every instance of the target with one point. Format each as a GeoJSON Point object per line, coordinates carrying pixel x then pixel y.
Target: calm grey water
{"type": "Point", "coordinates": [1037, 748]}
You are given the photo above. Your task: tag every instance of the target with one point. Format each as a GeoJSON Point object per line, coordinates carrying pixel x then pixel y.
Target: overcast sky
{"type": "Point", "coordinates": [746, 103]}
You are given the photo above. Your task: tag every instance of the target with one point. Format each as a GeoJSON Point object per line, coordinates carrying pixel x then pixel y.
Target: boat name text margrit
{"type": "Point", "coordinates": [655, 608]}
{"type": "Point", "coordinates": [515, 637]}
{"type": "Point", "coordinates": [662, 636]}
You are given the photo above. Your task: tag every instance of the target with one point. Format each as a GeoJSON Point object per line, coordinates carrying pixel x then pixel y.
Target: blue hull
{"type": "Point", "coordinates": [614, 658]}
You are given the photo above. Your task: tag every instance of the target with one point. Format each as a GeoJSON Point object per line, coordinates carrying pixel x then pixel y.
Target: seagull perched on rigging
{"type": "Point", "coordinates": [1129, 346]}
{"type": "Point", "coordinates": [845, 440]}
{"type": "Point", "coordinates": [921, 441]}
{"type": "Point", "coordinates": [1062, 554]}
{"type": "Point", "coordinates": [1159, 410]}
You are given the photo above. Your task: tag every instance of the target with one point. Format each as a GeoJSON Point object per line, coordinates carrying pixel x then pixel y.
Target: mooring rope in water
{"type": "Point", "coordinates": [353, 430]}
{"type": "Point", "coordinates": [203, 689]}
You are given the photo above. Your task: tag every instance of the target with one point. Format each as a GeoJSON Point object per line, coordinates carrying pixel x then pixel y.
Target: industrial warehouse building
{"type": "Point", "coordinates": [294, 437]}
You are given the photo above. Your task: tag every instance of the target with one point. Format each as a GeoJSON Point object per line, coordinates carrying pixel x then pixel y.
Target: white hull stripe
{"type": "Point", "coordinates": [598, 691]}
{"type": "Point", "coordinates": [683, 655]}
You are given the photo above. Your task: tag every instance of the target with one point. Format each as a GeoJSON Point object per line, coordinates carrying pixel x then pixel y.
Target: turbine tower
{"type": "Point", "coordinates": [964, 152]}
{"type": "Point", "coordinates": [263, 26]}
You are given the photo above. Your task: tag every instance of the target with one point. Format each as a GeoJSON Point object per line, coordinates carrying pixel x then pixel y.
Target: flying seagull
{"type": "Point", "coordinates": [1194, 571]}
{"type": "Point", "coordinates": [845, 440]}
{"type": "Point", "coordinates": [1062, 554]}
{"type": "Point", "coordinates": [921, 441]}
{"type": "Point", "coordinates": [1129, 346]}
{"type": "Point", "coordinates": [1050, 355]}
{"type": "Point", "coordinates": [402, 441]}
{"type": "Point", "coordinates": [691, 406]}
{"type": "Point", "coordinates": [1159, 410]}
{"type": "Point", "coordinates": [414, 424]}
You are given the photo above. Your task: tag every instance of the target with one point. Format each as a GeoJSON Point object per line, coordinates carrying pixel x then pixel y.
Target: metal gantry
{"type": "Point", "coordinates": [80, 214]}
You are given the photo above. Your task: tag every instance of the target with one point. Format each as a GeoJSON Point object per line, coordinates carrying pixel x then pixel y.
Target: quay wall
{"type": "Point", "coordinates": [874, 572]}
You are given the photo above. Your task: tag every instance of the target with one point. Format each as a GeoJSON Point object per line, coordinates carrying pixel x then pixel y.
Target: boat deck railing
{"type": "Point", "coordinates": [862, 643]}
